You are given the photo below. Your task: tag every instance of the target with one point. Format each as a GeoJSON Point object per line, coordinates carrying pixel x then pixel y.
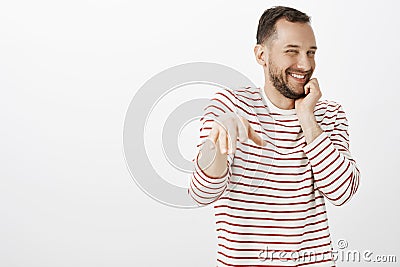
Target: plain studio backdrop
{"type": "Point", "coordinates": [68, 72]}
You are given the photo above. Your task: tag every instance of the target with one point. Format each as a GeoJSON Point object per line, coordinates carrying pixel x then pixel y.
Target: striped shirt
{"type": "Point", "coordinates": [270, 205]}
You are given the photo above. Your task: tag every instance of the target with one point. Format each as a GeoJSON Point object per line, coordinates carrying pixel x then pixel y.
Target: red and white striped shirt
{"type": "Point", "coordinates": [270, 206]}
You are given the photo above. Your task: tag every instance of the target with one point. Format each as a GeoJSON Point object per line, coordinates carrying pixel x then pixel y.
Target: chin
{"type": "Point", "coordinates": [297, 90]}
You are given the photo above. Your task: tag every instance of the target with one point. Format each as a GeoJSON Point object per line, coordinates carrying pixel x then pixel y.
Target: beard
{"type": "Point", "coordinates": [282, 85]}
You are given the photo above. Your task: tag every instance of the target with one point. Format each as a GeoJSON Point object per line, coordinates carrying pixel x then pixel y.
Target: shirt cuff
{"type": "Point", "coordinates": [213, 180]}
{"type": "Point", "coordinates": [314, 148]}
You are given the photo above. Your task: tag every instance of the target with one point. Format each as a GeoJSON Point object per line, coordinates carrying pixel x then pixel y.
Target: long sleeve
{"type": "Point", "coordinates": [335, 172]}
{"type": "Point", "coordinates": [202, 188]}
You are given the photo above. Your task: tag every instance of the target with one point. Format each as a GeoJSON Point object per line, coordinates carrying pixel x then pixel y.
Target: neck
{"type": "Point", "coordinates": [277, 98]}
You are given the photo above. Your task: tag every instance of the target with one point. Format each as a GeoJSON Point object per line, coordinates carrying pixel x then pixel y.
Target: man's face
{"type": "Point", "coordinates": [291, 58]}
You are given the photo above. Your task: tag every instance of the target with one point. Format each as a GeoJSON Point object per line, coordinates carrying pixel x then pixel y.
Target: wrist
{"type": "Point", "coordinates": [311, 130]}
{"type": "Point", "coordinates": [310, 126]}
{"type": "Point", "coordinates": [307, 119]}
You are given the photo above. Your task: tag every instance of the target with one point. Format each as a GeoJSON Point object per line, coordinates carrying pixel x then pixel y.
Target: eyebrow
{"type": "Point", "coordinates": [297, 46]}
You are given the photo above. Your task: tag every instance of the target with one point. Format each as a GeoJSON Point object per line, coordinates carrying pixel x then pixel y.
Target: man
{"type": "Point", "coordinates": [270, 192]}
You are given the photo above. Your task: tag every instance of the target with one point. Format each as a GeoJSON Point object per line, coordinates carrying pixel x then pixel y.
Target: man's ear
{"type": "Point", "coordinates": [260, 52]}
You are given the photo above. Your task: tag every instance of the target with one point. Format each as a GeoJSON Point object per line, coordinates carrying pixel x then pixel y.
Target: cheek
{"type": "Point", "coordinates": [313, 65]}
{"type": "Point", "coordinates": [293, 65]}
{"type": "Point", "coordinates": [288, 63]}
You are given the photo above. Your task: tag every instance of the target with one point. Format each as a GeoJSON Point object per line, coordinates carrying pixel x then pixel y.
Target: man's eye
{"type": "Point", "coordinates": [291, 51]}
{"type": "Point", "coordinates": [312, 53]}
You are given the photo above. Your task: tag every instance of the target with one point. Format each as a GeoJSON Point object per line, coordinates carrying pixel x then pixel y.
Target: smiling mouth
{"type": "Point", "coordinates": [301, 78]}
{"type": "Point", "coordinates": [298, 76]}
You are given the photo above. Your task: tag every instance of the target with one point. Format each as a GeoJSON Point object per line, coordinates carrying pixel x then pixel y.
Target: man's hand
{"type": "Point", "coordinates": [305, 106]}
{"type": "Point", "coordinates": [222, 140]}
{"type": "Point", "coordinates": [305, 110]}
{"type": "Point", "coordinates": [229, 127]}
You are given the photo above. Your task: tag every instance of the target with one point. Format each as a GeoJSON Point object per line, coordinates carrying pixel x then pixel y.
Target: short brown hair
{"type": "Point", "coordinates": [267, 23]}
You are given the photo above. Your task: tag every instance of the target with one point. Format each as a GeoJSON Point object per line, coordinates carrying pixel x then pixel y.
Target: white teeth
{"type": "Point", "coordinates": [298, 76]}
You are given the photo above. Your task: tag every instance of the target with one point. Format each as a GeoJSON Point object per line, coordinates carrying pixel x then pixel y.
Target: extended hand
{"type": "Point", "coordinates": [228, 128]}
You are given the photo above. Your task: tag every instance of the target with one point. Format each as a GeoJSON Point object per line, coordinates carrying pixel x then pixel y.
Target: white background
{"type": "Point", "coordinates": [68, 71]}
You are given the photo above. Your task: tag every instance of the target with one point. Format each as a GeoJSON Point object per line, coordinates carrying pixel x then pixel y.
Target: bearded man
{"type": "Point", "coordinates": [270, 157]}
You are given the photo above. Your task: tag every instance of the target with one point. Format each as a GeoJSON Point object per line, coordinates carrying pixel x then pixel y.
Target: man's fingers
{"type": "Point", "coordinates": [306, 89]}
{"type": "Point", "coordinates": [213, 136]}
{"type": "Point", "coordinates": [242, 129]}
{"type": "Point", "coordinates": [222, 141]}
{"type": "Point", "coordinates": [232, 139]}
{"type": "Point", "coordinates": [312, 87]}
{"type": "Point", "coordinates": [225, 135]}
{"type": "Point", "coordinates": [255, 137]}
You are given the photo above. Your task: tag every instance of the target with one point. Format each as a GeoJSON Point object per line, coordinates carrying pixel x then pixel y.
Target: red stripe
{"type": "Point", "coordinates": [265, 156]}
{"type": "Point", "coordinates": [269, 219]}
{"type": "Point", "coordinates": [214, 198]}
{"type": "Point", "coordinates": [339, 197]}
{"type": "Point", "coordinates": [207, 115]}
{"type": "Point", "coordinates": [271, 250]}
{"type": "Point", "coordinates": [271, 226]}
{"type": "Point", "coordinates": [272, 188]}
{"type": "Point", "coordinates": [195, 199]}
{"type": "Point", "coordinates": [247, 91]}
{"type": "Point", "coordinates": [277, 152]}
{"type": "Point", "coordinates": [267, 195]}
{"type": "Point", "coordinates": [317, 145]}
{"type": "Point", "coordinates": [271, 172]}
{"type": "Point", "coordinates": [334, 179]}
{"type": "Point", "coordinates": [336, 189]}
{"type": "Point", "coordinates": [272, 180]}
{"type": "Point", "coordinates": [322, 150]}
{"type": "Point", "coordinates": [342, 136]}
{"type": "Point", "coordinates": [220, 101]}
{"type": "Point", "coordinates": [269, 211]}
{"type": "Point", "coordinates": [252, 99]}
{"type": "Point", "coordinates": [283, 259]}
{"type": "Point", "coordinates": [214, 106]}
{"type": "Point", "coordinates": [328, 165]}
{"type": "Point", "coordinates": [193, 186]}
{"type": "Point", "coordinates": [271, 203]}
{"type": "Point", "coordinates": [278, 124]}
{"type": "Point", "coordinates": [273, 242]}
{"type": "Point", "coordinates": [271, 165]}
{"type": "Point", "coordinates": [204, 186]}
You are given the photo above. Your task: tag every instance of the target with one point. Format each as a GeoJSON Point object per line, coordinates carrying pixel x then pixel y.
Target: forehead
{"type": "Point", "coordinates": [294, 33]}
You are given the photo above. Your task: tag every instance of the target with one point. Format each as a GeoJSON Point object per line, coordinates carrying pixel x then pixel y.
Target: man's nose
{"type": "Point", "coordinates": [304, 62]}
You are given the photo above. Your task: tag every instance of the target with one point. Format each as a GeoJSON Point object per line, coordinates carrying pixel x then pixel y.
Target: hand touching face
{"type": "Point", "coordinates": [305, 106]}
